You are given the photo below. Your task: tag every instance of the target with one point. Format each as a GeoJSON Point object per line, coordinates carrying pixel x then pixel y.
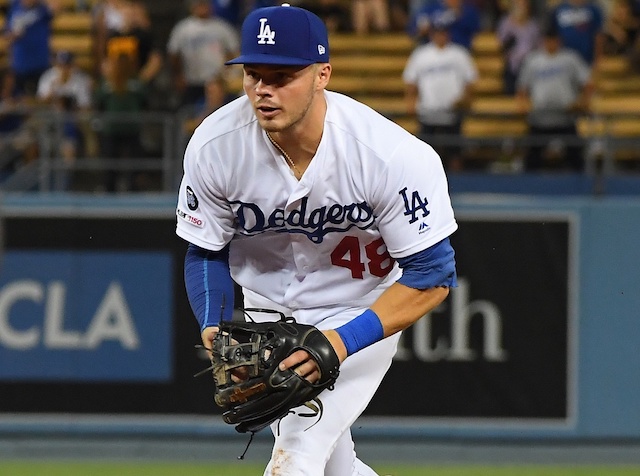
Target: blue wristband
{"type": "Point", "coordinates": [361, 332]}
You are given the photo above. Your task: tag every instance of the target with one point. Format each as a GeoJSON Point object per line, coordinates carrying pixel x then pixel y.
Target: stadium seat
{"type": "Point", "coordinates": [348, 43]}
{"type": "Point", "coordinates": [481, 127]}
{"type": "Point", "coordinates": [368, 64]}
{"type": "Point", "coordinates": [77, 44]}
{"type": "Point", "coordinates": [351, 85]}
{"type": "Point", "coordinates": [68, 22]}
{"type": "Point", "coordinates": [392, 106]}
{"type": "Point", "coordinates": [488, 86]}
{"type": "Point", "coordinates": [498, 105]}
{"type": "Point", "coordinates": [619, 86]}
{"type": "Point", "coordinates": [614, 65]}
{"type": "Point", "coordinates": [408, 123]}
{"type": "Point", "coordinates": [490, 65]}
{"type": "Point", "coordinates": [486, 43]}
{"type": "Point", "coordinates": [627, 104]}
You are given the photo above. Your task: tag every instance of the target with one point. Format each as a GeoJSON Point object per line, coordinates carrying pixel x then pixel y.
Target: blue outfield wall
{"type": "Point", "coordinates": [604, 364]}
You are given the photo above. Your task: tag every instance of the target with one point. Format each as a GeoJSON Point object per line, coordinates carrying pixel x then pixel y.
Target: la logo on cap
{"type": "Point", "coordinates": [266, 36]}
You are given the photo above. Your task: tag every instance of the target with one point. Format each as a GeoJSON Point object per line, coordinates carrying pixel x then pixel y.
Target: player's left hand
{"type": "Point", "coordinates": [304, 365]}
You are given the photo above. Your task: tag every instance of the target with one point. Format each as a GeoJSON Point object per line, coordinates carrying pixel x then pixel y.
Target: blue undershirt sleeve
{"type": "Point", "coordinates": [430, 268]}
{"type": "Point", "coordinates": [209, 285]}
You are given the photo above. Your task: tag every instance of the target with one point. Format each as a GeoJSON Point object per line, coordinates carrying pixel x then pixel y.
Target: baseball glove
{"type": "Point", "coordinates": [250, 388]}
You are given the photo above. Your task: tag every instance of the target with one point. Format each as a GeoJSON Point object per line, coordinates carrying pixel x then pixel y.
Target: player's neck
{"type": "Point", "coordinates": [299, 147]}
{"type": "Point", "coordinates": [296, 155]}
{"type": "Point", "coordinates": [301, 141]}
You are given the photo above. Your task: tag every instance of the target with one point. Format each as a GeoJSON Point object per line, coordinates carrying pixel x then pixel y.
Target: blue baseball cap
{"type": "Point", "coordinates": [283, 35]}
{"type": "Point", "coordinates": [443, 21]}
{"type": "Point", "coordinates": [64, 57]}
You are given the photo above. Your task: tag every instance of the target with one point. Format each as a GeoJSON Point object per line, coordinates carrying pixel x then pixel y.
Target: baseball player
{"type": "Point", "coordinates": [319, 207]}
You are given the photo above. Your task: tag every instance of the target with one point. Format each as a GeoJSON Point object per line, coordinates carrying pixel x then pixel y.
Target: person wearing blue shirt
{"type": "Point", "coordinates": [28, 31]}
{"type": "Point", "coordinates": [234, 11]}
{"type": "Point", "coordinates": [462, 16]}
{"type": "Point", "coordinates": [229, 10]}
{"type": "Point", "coordinates": [579, 24]}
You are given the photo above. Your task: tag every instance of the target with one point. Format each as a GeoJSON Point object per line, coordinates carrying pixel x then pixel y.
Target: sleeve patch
{"type": "Point", "coordinates": [192, 200]}
{"type": "Point", "coordinates": [415, 206]}
{"type": "Point", "coordinates": [190, 218]}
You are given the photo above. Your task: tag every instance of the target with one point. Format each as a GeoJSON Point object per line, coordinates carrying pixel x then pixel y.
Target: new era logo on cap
{"type": "Point", "coordinates": [283, 35]}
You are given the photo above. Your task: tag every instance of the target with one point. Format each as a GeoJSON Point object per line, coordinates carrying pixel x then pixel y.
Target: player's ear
{"type": "Point", "coordinates": [323, 73]}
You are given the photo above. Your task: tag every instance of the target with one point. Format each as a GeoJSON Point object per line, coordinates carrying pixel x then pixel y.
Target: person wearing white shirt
{"type": "Point", "coordinates": [68, 90]}
{"type": "Point", "coordinates": [439, 78]}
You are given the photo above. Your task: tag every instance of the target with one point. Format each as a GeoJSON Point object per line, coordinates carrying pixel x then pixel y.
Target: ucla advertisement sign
{"type": "Point", "coordinates": [86, 316]}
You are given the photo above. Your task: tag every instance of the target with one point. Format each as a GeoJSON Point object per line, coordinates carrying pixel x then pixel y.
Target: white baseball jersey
{"type": "Point", "coordinates": [372, 191]}
{"type": "Point", "coordinates": [441, 75]}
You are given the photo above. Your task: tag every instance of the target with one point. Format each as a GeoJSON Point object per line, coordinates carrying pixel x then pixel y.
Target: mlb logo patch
{"type": "Point", "coordinates": [192, 200]}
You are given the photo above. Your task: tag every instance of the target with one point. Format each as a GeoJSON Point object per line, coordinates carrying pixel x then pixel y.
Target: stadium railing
{"type": "Point", "coordinates": [490, 142]}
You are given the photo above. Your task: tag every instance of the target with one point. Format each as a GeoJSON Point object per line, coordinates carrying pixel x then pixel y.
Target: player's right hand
{"type": "Point", "coordinates": [207, 336]}
{"type": "Point", "coordinates": [304, 365]}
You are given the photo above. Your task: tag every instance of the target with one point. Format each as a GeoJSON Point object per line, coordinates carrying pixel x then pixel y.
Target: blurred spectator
{"type": "Point", "coordinates": [198, 47]}
{"type": "Point", "coordinates": [554, 87]}
{"type": "Point", "coordinates": [18, 140]}
{"type": "Point", "coordinates": [332, 12]}
{"type": "Point", "coordinates": [68, 90]}
{"type": "Point", "coordinates": [109, 18]}
{"type": "Point", "coordinates": [370, 15]}
{"type": "Point", "coordinates": [398, 14]}
{"type": "Point", "coordinates": [491, 11]}
{"type": "Point", "coordinates": [462, 15]}
{"type": "Point", "coordinates": [135, 39]}
{"type": "Point", "coordinates": [217, 94]}
{"type": "Point", "coordinates": [579, 24]}
{"type": "Point", "coordinates": [621, 28]}
{"type": "Point", "coordinates": [83, 5]}
{"type": "Point", "coordinates": [439, 79]}
{"type": "Point", "coordinates": [121, 95]}
{"type": "Point", "coordinates": [124, 27]}
{"type": "Point", "coordinates": [415, 6]}
{"type": "Point", "coordinates": [634, 51]}
{"type": "Point", "coordinates": [519, 34]}
{"type": "Point", "coordinates": [65, 83]}
{"type": "Point", "coordinates": [232, 11]}
{"type": "Point", "coordinates": [28, 30]}
{"type": "Point", "coordinates": [253, 4]}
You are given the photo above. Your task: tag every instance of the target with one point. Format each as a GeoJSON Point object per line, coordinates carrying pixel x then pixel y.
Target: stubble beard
{"type": "Point", "coordinates": [289, 123]}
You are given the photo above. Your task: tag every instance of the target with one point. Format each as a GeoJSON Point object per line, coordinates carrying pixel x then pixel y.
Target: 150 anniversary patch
{"type": "Point", "coordinates": [190, 218]}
